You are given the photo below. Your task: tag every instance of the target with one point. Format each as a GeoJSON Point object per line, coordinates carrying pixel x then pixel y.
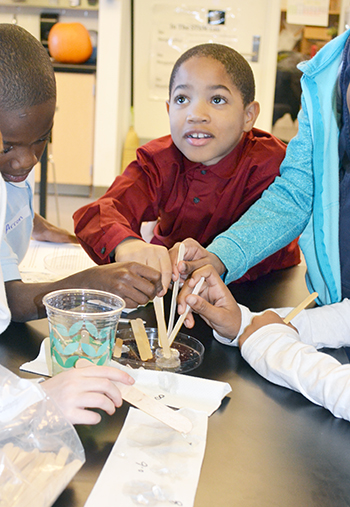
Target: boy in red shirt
{"type": "Point", "coordinates": [199, 180]}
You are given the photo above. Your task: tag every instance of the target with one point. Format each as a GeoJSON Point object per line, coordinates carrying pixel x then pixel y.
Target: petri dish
{"type": "Point", "coordinates": [190, 351]}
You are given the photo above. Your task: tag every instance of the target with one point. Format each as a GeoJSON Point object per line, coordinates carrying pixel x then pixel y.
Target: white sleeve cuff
{"type": "Point", "coordinates": [246, 317]}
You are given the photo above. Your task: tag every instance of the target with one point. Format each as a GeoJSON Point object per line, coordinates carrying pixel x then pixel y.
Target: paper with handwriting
{"type": "Point", "coordinates": [46, 261]}
{"type": "Point", "coordinates": [152, 464]}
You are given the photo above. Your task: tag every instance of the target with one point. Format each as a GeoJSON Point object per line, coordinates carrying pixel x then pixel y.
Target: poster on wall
{"type": "Point", "coordinates": [308, 12]}
{"type": "Point", "coordinates": [178, 28]}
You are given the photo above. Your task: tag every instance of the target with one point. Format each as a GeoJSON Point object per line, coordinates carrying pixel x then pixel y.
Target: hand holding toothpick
{"type": "Point", "coordinates": [270, 317]}
{"type": "Point", "coordinates": [182, 317]}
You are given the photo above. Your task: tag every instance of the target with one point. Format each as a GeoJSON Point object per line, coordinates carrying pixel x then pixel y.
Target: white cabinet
{"type": "Point", "coordinates": [73, 132]}
{"type": "Point", "coordinates": [72, 147]}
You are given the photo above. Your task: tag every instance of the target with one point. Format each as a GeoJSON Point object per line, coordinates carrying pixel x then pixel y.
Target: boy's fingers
{"type": "Point", "coordinates": [187, 267]}
{"type": "Point", "coordinates": [202, 307]}
{"type": "Point", "coordinates": [189, 321]}
{"type": "Point", "coordinates": [166, 270]}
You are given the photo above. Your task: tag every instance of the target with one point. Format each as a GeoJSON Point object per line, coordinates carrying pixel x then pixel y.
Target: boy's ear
{"type": "Point", "coordinates": [167, 106]}
{"type": "Point", "coordinates": [252, 111]}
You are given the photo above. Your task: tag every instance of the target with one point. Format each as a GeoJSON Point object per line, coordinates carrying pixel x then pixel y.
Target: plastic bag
{"type": "Point", "coordinates": [40, 450]}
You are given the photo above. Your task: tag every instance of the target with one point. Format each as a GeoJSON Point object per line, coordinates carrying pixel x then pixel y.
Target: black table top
{"type": "Point", "coordinates": [266, 445]}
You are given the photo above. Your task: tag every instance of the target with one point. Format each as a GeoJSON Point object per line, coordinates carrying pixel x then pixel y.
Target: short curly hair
{"type": "Point", "coordinates": [26, 73]}
{"type": "Point", "coordinates": [235, 64]}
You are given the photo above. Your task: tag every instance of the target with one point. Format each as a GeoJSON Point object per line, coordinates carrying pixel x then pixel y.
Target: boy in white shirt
{"type": "Point", "coordinates": [27, 107]}
{"type": "Point", "coordinates": [76, 389]}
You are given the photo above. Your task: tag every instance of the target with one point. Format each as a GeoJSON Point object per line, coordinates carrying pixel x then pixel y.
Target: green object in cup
{"type": "Point", "coordinates": [82, 323]}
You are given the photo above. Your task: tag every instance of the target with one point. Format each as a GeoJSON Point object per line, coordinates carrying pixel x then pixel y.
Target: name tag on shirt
{"type": "Point", "coordinates": [17, 219]}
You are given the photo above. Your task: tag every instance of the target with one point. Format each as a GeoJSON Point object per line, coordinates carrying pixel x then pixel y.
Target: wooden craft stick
{"type": "Point", "coordinates": [162, 334]}
{"type": "Point", "coordinates": [155, 408]}
{"type": "Point", "coordinates": [117, 352]}
{"type": "Point", "coordinates": [180, 256]}
{"type": "Point", "coordinates": [62, 456]}
{"type": "Point", "coordinates": [148, 404]}
{"type": "Point", "coordinates": [47, 473]}
{"type": "Point", "coordinates": [141, 339]}
{"type": "Point", "coordinates": [300, 307]}
{"type": "Point", "coordinates": [182, 317]}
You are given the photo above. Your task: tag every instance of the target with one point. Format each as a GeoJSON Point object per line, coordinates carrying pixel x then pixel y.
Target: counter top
{"type": "Point", "coordinates": [81, 68]}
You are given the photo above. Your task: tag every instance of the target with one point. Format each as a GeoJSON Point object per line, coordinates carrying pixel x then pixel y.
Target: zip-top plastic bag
{"type": "Point", "coordinates": [40, 451]}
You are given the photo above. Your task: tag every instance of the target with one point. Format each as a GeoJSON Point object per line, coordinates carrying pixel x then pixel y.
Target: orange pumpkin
{"type": "Point", "coordinates": [69, 43]}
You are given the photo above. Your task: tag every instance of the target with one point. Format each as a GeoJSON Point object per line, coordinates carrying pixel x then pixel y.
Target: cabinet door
{"type": "Point", "coordinates": [73, 132]}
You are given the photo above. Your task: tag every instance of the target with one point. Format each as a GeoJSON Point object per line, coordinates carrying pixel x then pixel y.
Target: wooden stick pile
{"type": "Point", "coordinates": [35, 478]}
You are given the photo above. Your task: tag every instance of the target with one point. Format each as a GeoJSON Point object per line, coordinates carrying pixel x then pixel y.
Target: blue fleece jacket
{"type": "Point", "coordinates": [305, 197]}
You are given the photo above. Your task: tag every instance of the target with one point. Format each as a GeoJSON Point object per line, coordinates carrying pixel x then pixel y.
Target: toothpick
{"type": "Point", "coordinates": [162, 334]}
{"type": "Point", "coordinates": [180, 256]}
{"type": "Point", "coordinates": [300, 307]}
{"type": "Point", "coordinates": [182, 317]}
{"type": "Point", "coordinates": [141, 339]}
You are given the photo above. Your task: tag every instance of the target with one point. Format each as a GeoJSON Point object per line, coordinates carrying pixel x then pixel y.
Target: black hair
{"type": "Point", "coordinates": [235, 64]}
{"type": "Point", "coordinates": [26, 73]}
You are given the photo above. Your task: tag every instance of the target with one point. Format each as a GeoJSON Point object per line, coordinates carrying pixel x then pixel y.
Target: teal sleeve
{"type": "Point", "coordinates": [278, 217]}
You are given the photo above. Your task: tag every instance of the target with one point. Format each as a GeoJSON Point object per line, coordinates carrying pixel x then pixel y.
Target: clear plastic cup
{"type": "Point", "coordinates": [82, 323]}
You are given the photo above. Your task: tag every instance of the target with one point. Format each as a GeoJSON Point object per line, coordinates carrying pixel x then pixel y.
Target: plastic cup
{"type": "Point", "coordinates": [82, 323]}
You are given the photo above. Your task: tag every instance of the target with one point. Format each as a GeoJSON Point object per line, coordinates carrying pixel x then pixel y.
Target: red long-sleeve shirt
{"type": "Point", "coordinates": [189, 198]}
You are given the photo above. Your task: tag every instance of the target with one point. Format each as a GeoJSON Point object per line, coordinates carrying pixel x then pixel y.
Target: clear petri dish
{"type": "Point", "coordinates": [190, 351]}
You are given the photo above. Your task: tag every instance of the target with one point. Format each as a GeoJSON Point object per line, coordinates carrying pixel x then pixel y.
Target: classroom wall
{"type": "Point", "coordinates": [163, 29]}
{"type": "Point", "coordinates": [113, 80]}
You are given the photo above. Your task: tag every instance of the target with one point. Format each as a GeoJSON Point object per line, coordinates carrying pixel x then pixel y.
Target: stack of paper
{"type": "Point", "coordinates": [46, 261]}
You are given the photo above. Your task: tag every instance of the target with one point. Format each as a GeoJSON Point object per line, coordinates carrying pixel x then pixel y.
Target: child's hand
{"type": "Point", "coordinates": [259, 321]}
{"type": "Point", "coordinates": [154, 256]}
{"type": "Point", "coordinates": [77, 390]}
{"type": "Point", "coordinates": [135, 283]}
{"type": "Point", "coordinates": [195, 257]}
{"type": "Point", "coordinates": [44, 231]}
{"type": "Point", "coordinates": [215, 303]}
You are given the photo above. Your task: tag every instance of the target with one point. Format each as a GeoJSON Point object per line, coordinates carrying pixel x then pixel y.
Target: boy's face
{"type": "Point", "coordinates": [25, 133]}
{"type": "Point", "coordinates": [206, 112]}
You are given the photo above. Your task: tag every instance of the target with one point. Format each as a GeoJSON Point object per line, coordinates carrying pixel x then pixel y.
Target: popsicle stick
{"type": "Point", "coordinates": [162, 334]}
{"type": "Point", "coordinates": [182, 317]}
{"type": "Point", "coordinates": [148, 405]}
{"type": "Point", "coordinates": [117, 352]}
{"type": "Point", "coordinates": [180, 256]}
{"type": "Point", "coordinates": [300, 307]}
{"type": "Point", "coordinates": [141, 339]}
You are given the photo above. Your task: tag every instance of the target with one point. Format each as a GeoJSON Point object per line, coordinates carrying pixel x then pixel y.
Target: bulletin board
{"type": "Point", "coordinates": [164, 29]}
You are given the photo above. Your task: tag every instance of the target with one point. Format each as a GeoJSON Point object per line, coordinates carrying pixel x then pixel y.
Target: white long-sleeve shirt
{"type": "Point", "coordinates": [4, 309]}
{"type": "Point", "coordinates": [291, 359]}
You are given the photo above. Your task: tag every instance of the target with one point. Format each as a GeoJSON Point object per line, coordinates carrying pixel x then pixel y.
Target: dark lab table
{"type": "Point", "coordinates": [266, 445]}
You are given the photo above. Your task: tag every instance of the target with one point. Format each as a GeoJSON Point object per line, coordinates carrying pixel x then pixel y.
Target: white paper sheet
{"type": "Point", "coordinates": [46, 261]}
{"type": "Point", "coordinates": [172, 389]}
{"type": "Point", "coordinates": [308, 12]}
{"type": "Point", "coordinates": [152, 464]}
